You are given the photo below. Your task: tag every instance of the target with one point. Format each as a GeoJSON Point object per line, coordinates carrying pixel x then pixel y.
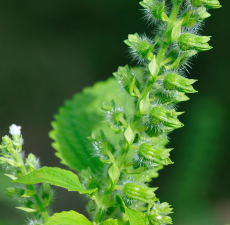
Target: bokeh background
{"type": "Point", "coordinates": [51, 49]}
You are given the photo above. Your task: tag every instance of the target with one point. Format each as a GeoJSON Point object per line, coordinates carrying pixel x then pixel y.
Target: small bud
{"type": "Point", "coordinates": [192, 17]}
{"type": "Point", "coordinates": [174, 81]}
{"type": "Point", "coordinates": [101, 143]}
{"type": "Point", "coordinates": [148, 174]}
{"type": "Point", "coordinates": [155, 9]}
{"type": "Point", "coordinates": [124, 75]}
{"type": "Point", "coordinates": [160, 115]}
{"type": "Point", "coordinates": [213, 4]}
{"type": "Point", "coordinates": [164, 208]}
{"type": "Point", "coordinates": [108, 106]}
{"type": "Point", "coordinates": [6, 139]}
{"type": "Point", "coordinates": [176, 59]}
{"type": "Point", "coordinates": [11, 162]}
{"type": "Point", "coordinates": [88, 179]}
{"type": "Point", "coordinates": [12, 192]}
{"type": "Point", "coordinates": [31, 162]}
{"type": "Point", "coordinates": [160, 156]}
{"type": "Point", "coordinates": [15, 130]}
{"type": "Point", "coordinates": [142, 193]}
{"type": "Point", "coordinates": [117, 118]}
{"type": "Point", "coordinates": [153, 131]}
{"type": "Point", "coordinates": [202, 13]}
{"type": "Point", "coordinates": [173, 97]}
{"type": "Point", "coordinates": [140, 47]}
{"type": "Point", "coordinates": [189, 41]}
{"type": "Point", "coordinates": [127, 79]}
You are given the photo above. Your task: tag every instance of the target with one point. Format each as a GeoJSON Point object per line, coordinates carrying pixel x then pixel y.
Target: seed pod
{"type": "Point", "coordinates": [192, 17]}
{"type": "Point", "coordinates": [214, 4]}
{"type": "Point", "coordinates": [173, 97]}
{"type": "Point", "coordinates": [152, 131]}
{"type": "Point", "coordinates": [160, 115]}
{"type": "Point", "coordinates": [89, 179]}
{"type": "Point", "coordinates": [160, 156]}
{"type": "Point", "coordinates": [142, 193]}
{"type": "Point", "coordinates": [177, 59]}
{"type": "Point", "coordinates": [31, 162]}
{"type": "Point", "coordinates": [116, 117]}
{"type": "Point", "coordinates": [12, 192]}
{"type": "Point", "coordinates": [189, 41]}
{"type": "Point", "coordinates": [127, 79]}
{"type": "Point", "coordinates": [173, 81]}
{"type": "Point", "coordinates": [155, 9]}
{"type": "Point", "coordinates": [101, 143]}
{"type": "Point", "coordinates": [6, 139]}
{"type": "Point", "coordinates": [140, 47]}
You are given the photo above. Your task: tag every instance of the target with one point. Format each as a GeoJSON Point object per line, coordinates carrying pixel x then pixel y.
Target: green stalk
{"type": "Point", "coordinates": [164, 44]}
{"type": "Point", "coordinates": [31, 187]}
{"type": "Point", "coordinates": [121, 159]}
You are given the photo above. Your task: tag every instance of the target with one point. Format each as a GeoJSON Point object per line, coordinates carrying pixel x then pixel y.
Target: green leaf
{"type": "Point", "coordinates": [29, 210]}
{"type": "Point", "coordinates": [79, 117]}
{"type": "Point", "coordinates": [153, 67]}
{"type": "Point", "coordinates": [55, 176]}
{"type": "Point", "coordinates": [29, 194]}
{"type": "Point", "coordinates": [134, 217]}
{"type": "Point", "coordinates": [114, 172]}
{"type": "Point", "coordinates": [110, 222]}
{"type": "Point", "coordinates": [176, 31]}
{"type": "Point", "coordinates": [68, 218]}
{"type": "Point", "coordinates": [129, 135]}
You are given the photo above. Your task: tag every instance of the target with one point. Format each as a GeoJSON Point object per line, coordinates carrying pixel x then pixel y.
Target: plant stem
{"type": "Point", "coordinates": [164, 44]}
{"type": "Point", "coordinates": [121, 159]}
{"type": "Point", "coordinates": [31, 187]}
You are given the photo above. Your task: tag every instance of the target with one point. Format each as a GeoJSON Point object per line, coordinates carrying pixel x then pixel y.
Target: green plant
{"type": "Point", "coordinates": [116, 162]}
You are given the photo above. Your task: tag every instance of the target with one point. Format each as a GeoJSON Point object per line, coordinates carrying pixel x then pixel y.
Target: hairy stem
{"type": "Point", "coordinates": [121, 159]}
{"type": "Point", "coordinates": [31, 187]}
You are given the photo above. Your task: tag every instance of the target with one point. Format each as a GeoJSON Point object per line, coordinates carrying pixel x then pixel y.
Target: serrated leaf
{"type": "Point", "coordinates": [55, 176]}
{"type": "Point", "coordinates": [68, 218]}
{"type": "Point", "coordinates": [79, 117]}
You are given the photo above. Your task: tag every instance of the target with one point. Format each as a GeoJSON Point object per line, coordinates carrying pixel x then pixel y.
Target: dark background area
{"type": "Point", "coordinates": [51, 49]}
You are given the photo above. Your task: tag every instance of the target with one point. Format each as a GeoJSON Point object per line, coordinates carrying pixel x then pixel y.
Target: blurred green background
{"type": "Point", "coordinates": [51, 49]}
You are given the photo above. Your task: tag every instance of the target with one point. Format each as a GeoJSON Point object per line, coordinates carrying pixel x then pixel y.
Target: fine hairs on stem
{"type": "Point", "coordinates": [117, 161]}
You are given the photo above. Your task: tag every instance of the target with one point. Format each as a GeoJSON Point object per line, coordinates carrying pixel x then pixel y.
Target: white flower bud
{"type": "Point", "coordinates": [14, 129]}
